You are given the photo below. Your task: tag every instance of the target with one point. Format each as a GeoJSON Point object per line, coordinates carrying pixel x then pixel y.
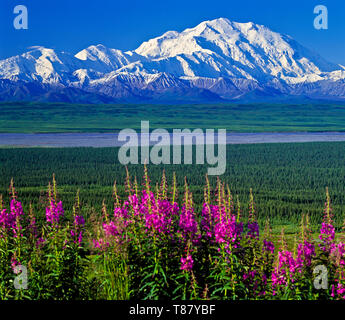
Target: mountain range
{"type": "Point", "coordinates": [216, 61]}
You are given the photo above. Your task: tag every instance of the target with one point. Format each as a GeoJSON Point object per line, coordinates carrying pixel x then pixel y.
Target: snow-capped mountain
{"type": "Point", "coordinates": [217, 60]}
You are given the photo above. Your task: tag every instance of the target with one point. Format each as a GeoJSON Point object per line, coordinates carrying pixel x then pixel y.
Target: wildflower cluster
{"type": "Point", "coordinates": [152, 245]}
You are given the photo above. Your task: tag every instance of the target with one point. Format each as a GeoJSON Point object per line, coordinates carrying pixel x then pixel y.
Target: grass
{"type": "Point", "coordinates": [59, 117]}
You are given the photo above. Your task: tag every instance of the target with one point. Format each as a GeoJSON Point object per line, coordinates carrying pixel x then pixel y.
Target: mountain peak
{"type": "Point", "coordinates": [224, 26]}
{"type": "Point", "coordinates": [220, 32]}
{"type": "Point", "coordinates": [217, 57]}
{"type": "Point", "coordinates": [214, 23]}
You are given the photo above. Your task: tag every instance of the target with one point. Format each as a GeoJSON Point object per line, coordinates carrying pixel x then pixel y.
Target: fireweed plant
{"type": "Point", "coordinates": [154, 245]}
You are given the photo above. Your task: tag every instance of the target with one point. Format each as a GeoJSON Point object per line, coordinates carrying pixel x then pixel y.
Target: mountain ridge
{"type": "Point", "coordinates": [218, 60]}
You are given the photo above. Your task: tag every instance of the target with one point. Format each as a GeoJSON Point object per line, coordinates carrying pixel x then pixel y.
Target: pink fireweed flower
{"type": "Point", "coordinates": [156, 213]}
{"type": "Point", "coordinates": [160, 218]}
{"type": "Point", "coordinates": [110, 229]}
{"type": "Point", "coordinates": [268, 246]}
{"type": "Point", "coordinates": [287, 269]}
{"type": "Point", "coordinates": [253, 230]}
{"type": "Point", "coordinates": [341, 290]}
{"type": "Point", "coordinates": [156, 222]}
{"type": "Point", "coordinates": [333, 291]}
{"type": "Point", "coordinates": [327, 236]}
{"type": "Point", "coordinates": [188, 225]}
{"type": "Point", "coordinates": [16, 208]}
{"type": "Point", "coordinates": [40, 242]}
{"type": "Point", "coordinates": [54, 212]}
{"type": "Point", "coordinates": [206, 220]}
{"type": "Point", "coordinates": [14, 262]}
{"type": "Point", "coordinates": [278, 279]}
{"type": "Point", "coordinates": [114, 230]}
{"type": "Point", "coordinates": [78, 235]}
{"type": "Point", "coordinates": [337, 253]}
{"type": "Point", "coordinates": [79, 221]}
{"type": "Point", "coordinates": [77, 232]}
{"type": "Point", "coordinates": [228, 231]}
{"type": "Point", "coordinates": [250, 281]}
{"type": "Point", "coordinates": [100, 244]}
{"type": "Point", "coordinates": [187, 263]}
{"type": "Point", "coordinates": [222, 226]}
{"type": "Point", "coordinates": [338, 291]}
{"type": "Point", "coordinates": [250, 275]}
{"type": "Point", "coordinates": [8, 220]}
{"type": "Point", "coordinates": [327, 230]}
{"type": "Point", "coordinates": [134, 202]}
{"type": "Point", "coordinates": [305, 252]}
{"type": "Point", "coordinates": [187, 221]}
{"type": "Point", "coordinates": [121, 214]}
{"type": "Point", "coordinates": [16, 212]}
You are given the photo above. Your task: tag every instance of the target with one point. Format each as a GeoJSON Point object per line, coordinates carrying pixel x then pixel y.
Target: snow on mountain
{"type": "Point", "coordinates": [101, 59]}
{"type": "Point", "coordinates": [221, 48]}
{"type": "Point", "coordinates": [39, 64]}
{"type": "Point", "coordinates": [226, 59]}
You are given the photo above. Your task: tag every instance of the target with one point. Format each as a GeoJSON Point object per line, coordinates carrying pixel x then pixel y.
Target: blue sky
{"type": "Point", "coordinates": [75, 24]}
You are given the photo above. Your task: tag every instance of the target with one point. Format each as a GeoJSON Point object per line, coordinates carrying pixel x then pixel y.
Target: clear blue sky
{"type": "Point", "coordinates": [74, 24]}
